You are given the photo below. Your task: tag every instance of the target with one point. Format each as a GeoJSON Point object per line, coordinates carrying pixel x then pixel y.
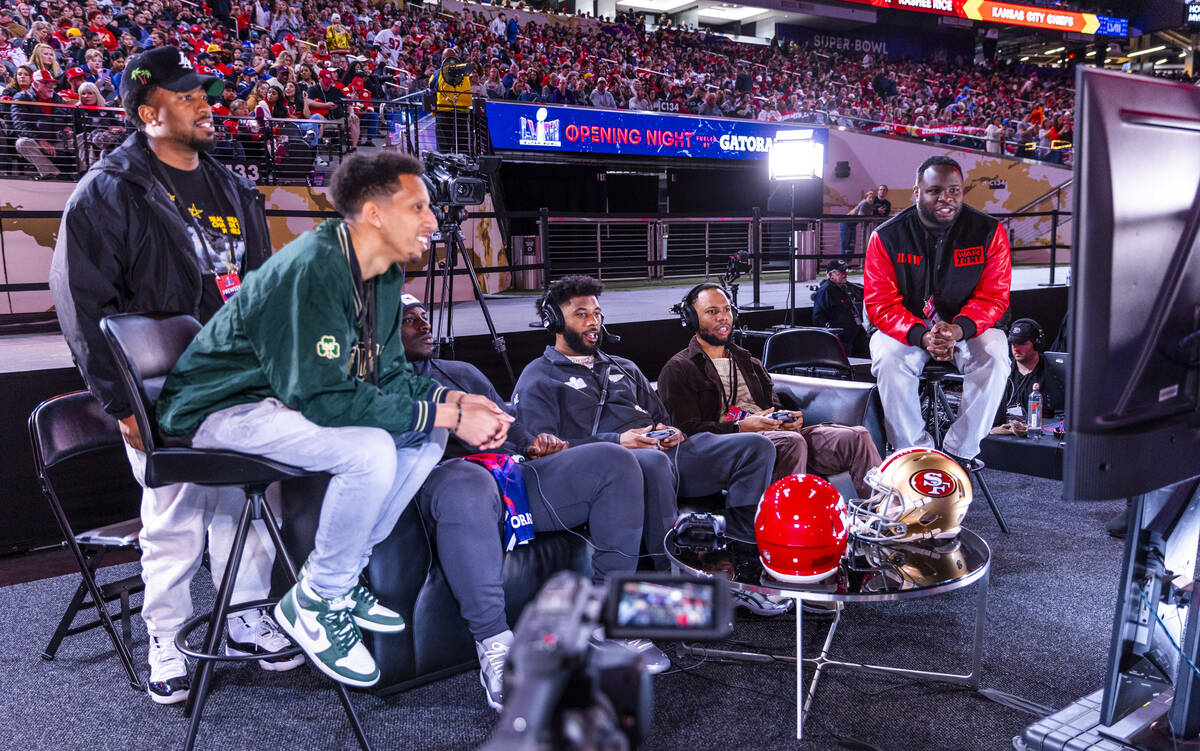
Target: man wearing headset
{"type": "Point", "coordinates": [584, 395]}
{"type": "Point", "coordinates": [715, 386]}
{"type": "Point", "coordinates": [1026, 340]}
{"type": "Point", "coordinates": [558, 488]}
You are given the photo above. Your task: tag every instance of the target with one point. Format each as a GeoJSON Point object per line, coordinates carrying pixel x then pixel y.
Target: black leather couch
{"type": "Point", "coordinates": [406, 576]}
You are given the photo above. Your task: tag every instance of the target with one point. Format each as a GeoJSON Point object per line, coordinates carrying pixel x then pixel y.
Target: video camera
{"type": "Point", "coordinates": [562, 693]}
{"type": "Point", "coordinates": [454, 72]}
{"type": "Point", "coordinates": [457, 179]}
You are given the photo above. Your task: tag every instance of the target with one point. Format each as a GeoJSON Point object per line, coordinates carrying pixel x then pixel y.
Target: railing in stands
{"type": "Point", "coordinates": [61, 141]}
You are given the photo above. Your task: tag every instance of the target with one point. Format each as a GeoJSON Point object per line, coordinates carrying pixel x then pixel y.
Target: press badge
{"type": "Point", "coordinates": [736, 413]}
{"type": "Point", "coordinates": [228, 284]}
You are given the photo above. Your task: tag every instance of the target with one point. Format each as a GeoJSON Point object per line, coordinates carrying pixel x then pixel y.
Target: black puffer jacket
{"type": "Point", "coordinates": [124, 248]}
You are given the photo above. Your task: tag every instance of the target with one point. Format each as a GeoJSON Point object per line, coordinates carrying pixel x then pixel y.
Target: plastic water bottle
{"type": "Point", "coordinates": [1034, 415]}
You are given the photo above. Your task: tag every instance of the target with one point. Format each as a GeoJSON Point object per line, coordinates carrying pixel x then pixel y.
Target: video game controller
{"type": "Point", "coordinates": [658, 435]}
{"type": "Point", "coordinates": [700, 531]}
{"type": "Point", "coordinates": [782, 415]}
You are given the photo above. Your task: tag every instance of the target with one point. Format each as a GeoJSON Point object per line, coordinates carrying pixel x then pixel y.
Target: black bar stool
{"type": "Point", "coordinates": [146, 347]}
{"type": "Point", "coordinates": [940, 410]}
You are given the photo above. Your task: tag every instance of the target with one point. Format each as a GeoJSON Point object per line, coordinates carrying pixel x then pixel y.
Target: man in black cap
{"type": "Point", "coordinates": [838, 304]}
{"type": "Point", "coordinates": [159, 225]}
{"type": "Point", "coordinates": [1026, 339]}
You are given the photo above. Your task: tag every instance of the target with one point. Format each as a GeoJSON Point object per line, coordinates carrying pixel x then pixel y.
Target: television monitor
{"type": "Point", "coordinates": [1132, 396]}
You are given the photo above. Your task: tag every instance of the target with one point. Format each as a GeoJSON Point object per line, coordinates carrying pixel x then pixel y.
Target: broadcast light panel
{"type": "Point", "coordinates": [795, 156]}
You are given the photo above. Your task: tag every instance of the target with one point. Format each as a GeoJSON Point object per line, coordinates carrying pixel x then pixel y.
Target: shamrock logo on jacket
{"type": "Point", "coordinates": [328, 347]}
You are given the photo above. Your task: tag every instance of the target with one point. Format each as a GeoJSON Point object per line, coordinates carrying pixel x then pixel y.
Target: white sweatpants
{"type": "Point", "coordinates": [175, 521]}
{"type": "Point", "coordinates": [983, 361]}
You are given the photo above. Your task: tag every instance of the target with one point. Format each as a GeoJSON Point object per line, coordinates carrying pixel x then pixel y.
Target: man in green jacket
{"type": "Point", "coordinates": [306, 366]}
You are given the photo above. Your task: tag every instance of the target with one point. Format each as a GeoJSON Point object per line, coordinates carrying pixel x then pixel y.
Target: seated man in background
{"type": "Point", "coordinates": [838, 304]}
{"type": "Point", "coordinates": [584, 395]}
{"type": "Point", "coordinates": [1025, 340]}
{"type": "Point", "coordinates": [715, 386]}
{"type": "Point", "coordinates": [937, 283]}
{"type": "Point", "coordinates": [559, 488]}
{"type": "Point", "coordinates": [295, 369]}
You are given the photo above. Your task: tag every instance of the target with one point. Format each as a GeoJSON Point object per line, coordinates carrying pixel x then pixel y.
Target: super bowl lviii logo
{"type": "Point", "coordinates": [538, 131]}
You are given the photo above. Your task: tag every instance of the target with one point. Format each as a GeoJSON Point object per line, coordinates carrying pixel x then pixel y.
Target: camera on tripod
{"type": "Point", "coordinates": [453, 73]}
{"type": "Point", "coordinates": [561, 692]}
{"type": "Point", "coordinates": [457, 179]}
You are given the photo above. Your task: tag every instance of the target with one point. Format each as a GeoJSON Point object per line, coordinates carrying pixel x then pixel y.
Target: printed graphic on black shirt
{"type": "Point", "coordinates": [223, 246]}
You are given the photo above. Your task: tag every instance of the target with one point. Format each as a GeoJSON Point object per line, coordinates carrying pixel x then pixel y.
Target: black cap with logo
{"type": "Point", "coordinates": [1024, 330]}
{"type": "Point", "coordinates": [835, 266]}
{"type": "Point", "coordinates": [169, 68]}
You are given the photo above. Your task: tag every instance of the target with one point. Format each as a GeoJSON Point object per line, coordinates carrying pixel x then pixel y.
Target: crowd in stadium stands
{"type": "Point", "coordinates": [337, 58]}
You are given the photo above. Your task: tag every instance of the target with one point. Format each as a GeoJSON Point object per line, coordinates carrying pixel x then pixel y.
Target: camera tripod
{"type": "Point", "coordinates": [450, 229]}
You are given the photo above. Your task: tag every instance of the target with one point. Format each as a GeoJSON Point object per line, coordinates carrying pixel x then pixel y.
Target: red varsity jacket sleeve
{"type": "Point", "coordinates": [881, 294]}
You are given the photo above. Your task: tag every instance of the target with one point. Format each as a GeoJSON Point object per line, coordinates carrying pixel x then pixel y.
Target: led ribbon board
{"type": "Point", "coordinates": [1053, 19]}
{"type": "Point", "coordinates": [539, 127]}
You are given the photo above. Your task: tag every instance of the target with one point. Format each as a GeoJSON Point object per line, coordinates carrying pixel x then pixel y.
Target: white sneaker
{"type": "Point", "coordinates": [492, 652]}
{"type": "Point", "coordinates": [322, 162]}
{"type": "Point", "coordinates": [253, 632]}
{"type": "Point", "coordinates": [654, 659]}
{"type": "Point", "coordinates": [169, 682]}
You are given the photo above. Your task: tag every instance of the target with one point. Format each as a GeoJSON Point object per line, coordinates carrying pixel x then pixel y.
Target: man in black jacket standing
{"type": "Point", "coordinates": [158, 225]}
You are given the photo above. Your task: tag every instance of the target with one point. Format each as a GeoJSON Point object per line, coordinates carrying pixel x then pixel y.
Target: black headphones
{"type": "Point", "coordinates": [686, 309]}
{"type": "Point", "coordinates": [1039, 338]}
{"type": "Point", "coordinates": [550, 315]}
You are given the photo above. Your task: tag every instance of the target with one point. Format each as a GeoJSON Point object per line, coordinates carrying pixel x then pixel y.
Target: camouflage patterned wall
{"type": "Point", "coordinates": [26, 244]}
{"type": "Point", "coordinates": [993, 183]}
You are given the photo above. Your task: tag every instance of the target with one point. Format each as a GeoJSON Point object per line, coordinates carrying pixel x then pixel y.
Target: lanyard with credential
{"type": "Point", "coordinates": [364, 359]}
{"type": "Point", "coordinates": [228, 283]}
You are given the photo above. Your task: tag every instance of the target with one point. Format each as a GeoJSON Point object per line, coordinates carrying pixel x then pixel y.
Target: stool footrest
{"type": "Point", "coordinates": [193, 623]}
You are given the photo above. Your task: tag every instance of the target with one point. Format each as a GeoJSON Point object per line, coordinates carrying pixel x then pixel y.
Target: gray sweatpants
{"type": "Point", "coordinates": [597, 484]}
{"type": "Point", "coordinates": [704, 464]}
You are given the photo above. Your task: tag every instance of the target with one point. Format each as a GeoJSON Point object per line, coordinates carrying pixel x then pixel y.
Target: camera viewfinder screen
{"type": "Point", "coordinates": [645, 604]}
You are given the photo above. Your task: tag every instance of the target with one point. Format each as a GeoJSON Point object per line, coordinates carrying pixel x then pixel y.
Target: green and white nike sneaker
{"type": "Point", "coordinates": [372, 616]}
{"type": "Point", "coordinates": [367, 612]}
{"type": "Point", "coordinates": [326, 632]}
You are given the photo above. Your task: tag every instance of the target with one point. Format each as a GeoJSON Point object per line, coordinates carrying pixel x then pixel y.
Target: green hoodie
{"type": "Point", "coordinates": [289, 334]}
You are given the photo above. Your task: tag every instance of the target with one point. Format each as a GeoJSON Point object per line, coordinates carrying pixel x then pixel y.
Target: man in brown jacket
{"type": "Point", "coordinates": [715, 386]}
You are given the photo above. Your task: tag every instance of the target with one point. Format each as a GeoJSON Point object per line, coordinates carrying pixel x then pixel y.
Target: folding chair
{"type": "Point", "coordinates": [68, 428]}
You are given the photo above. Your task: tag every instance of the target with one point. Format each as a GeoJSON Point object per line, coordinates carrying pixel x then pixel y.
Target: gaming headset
{"type": "Point", "coordinates": [1039, 335]}
{"type": "Point", "coordinates": [686, 309]}
{"type": "Point", "coordinates": [550, 315]}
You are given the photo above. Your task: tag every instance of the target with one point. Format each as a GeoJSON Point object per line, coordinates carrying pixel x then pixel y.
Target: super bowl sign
{"type": "Point", "coordinates": [534, 127]}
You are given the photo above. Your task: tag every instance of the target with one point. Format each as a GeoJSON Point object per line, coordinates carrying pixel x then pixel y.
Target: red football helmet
{"type": "Point", "coordinates": [801, 529]}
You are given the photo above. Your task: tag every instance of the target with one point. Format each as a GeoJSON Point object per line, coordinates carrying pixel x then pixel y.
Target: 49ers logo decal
{"type": "Point", "coordinates": [933, 482]}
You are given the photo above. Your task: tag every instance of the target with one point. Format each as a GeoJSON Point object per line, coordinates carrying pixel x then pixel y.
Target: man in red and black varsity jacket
{"type": "Point", "coordinates": [937, 283]}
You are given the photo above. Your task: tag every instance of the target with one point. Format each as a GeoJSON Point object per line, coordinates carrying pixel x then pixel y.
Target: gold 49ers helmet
{"type": "Point", "coordinates": [908, 566]}
{"type": "Point", "coordinates": [919, 494]}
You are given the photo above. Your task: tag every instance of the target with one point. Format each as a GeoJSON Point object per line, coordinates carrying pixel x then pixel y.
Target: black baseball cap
{"type": "Point", "coordinates": [168, 68]}
{"type": "Point", "coordinates": [835, 266]}
{"type": "Point", "coordinates": [1023, 331]}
